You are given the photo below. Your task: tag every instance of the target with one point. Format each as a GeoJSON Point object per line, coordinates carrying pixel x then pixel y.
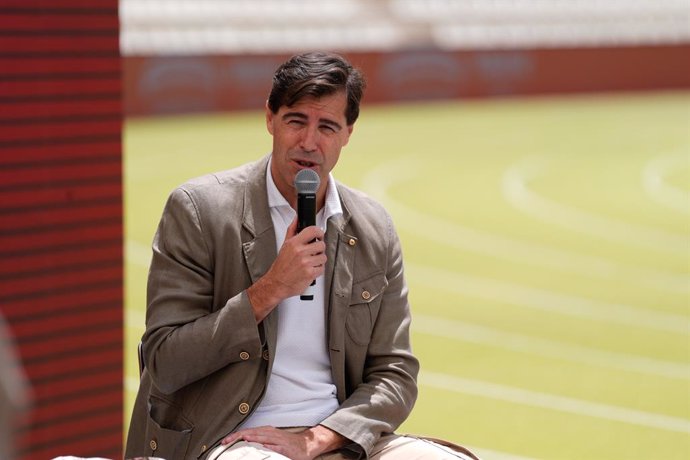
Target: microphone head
{"type": "Point", "coordinates": [307, 181]}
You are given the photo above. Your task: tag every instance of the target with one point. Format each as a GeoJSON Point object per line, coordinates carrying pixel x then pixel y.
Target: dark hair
{"type": "Point", "coordinates": [316, 75]}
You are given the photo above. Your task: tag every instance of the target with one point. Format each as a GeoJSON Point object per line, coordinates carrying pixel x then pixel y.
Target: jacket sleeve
{"type": "Point", "coordinates": [388, 389]}
{"type": "Point", "coordinates": [187, 338]}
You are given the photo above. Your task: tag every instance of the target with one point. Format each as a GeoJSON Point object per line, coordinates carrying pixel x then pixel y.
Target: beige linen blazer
{"type": "Point", "coordinates": [207, 361]}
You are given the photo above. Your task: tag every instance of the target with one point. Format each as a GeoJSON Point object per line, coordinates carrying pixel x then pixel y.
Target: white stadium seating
{"type": "Point", "coordinates": [193, 27]}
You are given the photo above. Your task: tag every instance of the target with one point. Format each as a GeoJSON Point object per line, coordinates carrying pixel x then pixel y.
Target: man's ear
{"type": "Point", "coordinates": [269, 119]}
{"type": "Point", "coordinates": [349, 128]}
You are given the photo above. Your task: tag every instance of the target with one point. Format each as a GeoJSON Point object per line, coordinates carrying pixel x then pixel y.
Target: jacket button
{"type": "Point", "coordinates": [352, 242]}
{"type": "Point", "coordinates": [265, 355]}
{"type": "Point", "coordinates": [366, 295]}
{"type": "Point", "coordinates": [203, 448]}
{"type": "Point", "coordinates": [153, 444]}
{"type": "Point", "coordinates": [244, 355]}
{"type": "Point", "coordinates": [243, 408]}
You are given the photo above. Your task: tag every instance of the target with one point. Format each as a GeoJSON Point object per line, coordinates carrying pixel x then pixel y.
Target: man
{"type": "Point", "coordinates": [236, 363]}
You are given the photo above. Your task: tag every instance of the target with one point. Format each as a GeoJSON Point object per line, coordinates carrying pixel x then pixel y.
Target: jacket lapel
{"type": "Point", "coordinates": [259, 246]}
{"type": "Point", "coordinates": [340, 251]}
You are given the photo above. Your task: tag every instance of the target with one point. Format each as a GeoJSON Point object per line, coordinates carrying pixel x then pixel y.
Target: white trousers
{"type": "Point", "coordinates": [388, 447]}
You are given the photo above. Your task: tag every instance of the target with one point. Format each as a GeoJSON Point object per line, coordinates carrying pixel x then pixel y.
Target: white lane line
{"type": "Point", "coordinates": [474, 333]}
{"type": "Point", "coordinates": [136, 319]}
{"type": "Point", "coordinates": [513, 294]}
{"type": "Point", "coordinates": [380, 180]}
{"type": "Point", "coordinates": [550, 301]}
{"type": "Point", "coordinates": [653, 181]}
{"type": "Point", "coordinates": [440, 279]}
{"type": "Point", "coordinates": [517, 192]}
{"type": "Point", "coordinates": [548, 401]}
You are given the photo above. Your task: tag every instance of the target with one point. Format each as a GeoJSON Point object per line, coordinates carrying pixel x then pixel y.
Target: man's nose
{"type": "Point", "coordinates": [310, 138]}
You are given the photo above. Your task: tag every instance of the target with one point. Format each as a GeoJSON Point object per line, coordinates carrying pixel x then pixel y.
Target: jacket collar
{"type": "Point", "coordinates": [341, 220]}
{"type": "Point", "coordinates": [256, 215]}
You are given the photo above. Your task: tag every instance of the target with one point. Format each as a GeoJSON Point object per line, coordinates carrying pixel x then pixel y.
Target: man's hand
{"type": "Point", "coordinates": [305, 445]}
{"type": "Point", "coordinates": [300, 261]}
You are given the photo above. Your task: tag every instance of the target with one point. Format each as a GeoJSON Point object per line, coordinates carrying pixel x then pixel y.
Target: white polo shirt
{"type": "Point", "coordinates": [300, 389]}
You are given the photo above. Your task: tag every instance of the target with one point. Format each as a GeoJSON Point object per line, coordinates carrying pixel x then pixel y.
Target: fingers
{"type": "Point", "coordinates": [237, 436]}
{"type": "Point", "coordinates": [310, 253]}
{"type": "Point", "coordinates": [304, 270]}
{"type": "Point", "coordinates": [314, 259]}
{"type": "Point", "coordinates": [229, 439]}
{"type": "Point", "coordinates": [307, 244]}
{"type": "Point", "coordinates": [309, 234]}
{"type": "Point", "coordinates": [315, 248]}
{"type": "Point", "coordinates": [262, 435]}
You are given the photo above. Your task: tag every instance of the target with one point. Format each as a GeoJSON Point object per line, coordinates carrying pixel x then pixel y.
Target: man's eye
{"type": "Point", "coordinates": [327, 128]}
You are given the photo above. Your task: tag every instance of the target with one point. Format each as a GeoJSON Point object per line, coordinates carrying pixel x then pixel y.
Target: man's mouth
{"type": "Point", "coordinates": [306, 164]}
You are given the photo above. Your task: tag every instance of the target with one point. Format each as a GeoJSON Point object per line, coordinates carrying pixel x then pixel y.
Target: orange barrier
{"type": "Point", "coordinates": [179, 84]}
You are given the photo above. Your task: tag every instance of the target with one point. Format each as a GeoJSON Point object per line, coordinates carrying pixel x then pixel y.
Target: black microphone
{"type": "Point", "coordinates": [307, 182]}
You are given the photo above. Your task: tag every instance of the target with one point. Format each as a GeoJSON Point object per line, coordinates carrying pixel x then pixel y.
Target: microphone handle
{"type": "Point", "coordinates": [306, 217]}
{"type": "Point", "coordinates": [306, 210]}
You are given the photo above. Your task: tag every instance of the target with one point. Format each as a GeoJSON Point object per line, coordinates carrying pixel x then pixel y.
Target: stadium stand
{"type": "Point", "coordinates": [260, 26]}
{"type": "Point", "coordinates": [215, 55]}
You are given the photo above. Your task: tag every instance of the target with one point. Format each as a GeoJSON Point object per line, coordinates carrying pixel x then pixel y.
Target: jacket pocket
{"type": "Point", "coordinates": [365, 300]}
{"type": "Point", "coordinates": [167, 431]}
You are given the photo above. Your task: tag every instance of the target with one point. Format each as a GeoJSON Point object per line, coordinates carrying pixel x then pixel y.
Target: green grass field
{"type": "Point", "coordinates": [547, 249]}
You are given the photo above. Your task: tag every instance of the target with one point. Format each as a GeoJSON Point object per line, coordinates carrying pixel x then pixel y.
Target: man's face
{"type": "Point", "coordinates": [309, 135]}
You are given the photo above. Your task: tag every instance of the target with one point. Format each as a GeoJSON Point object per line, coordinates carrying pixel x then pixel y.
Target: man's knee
{"type": "Point", "coordinates": [396, 447]}
{"type": "Point", "coordinates": [245, 451]}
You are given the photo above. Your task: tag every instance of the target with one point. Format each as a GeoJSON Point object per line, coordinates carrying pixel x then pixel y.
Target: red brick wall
{"type": "Point", "coordinates": [61, 220]}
